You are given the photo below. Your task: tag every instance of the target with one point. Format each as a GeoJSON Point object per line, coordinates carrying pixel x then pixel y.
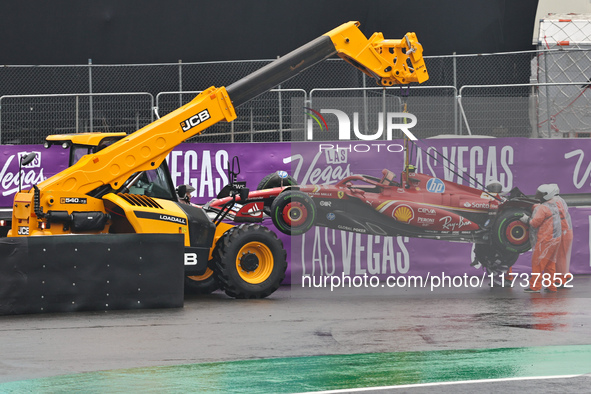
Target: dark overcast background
{"type": "Point", "coordinates": [147, 31]}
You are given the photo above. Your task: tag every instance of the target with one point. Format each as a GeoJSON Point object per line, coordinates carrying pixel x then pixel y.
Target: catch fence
{"type": "Point", "coordinates": [522, 94]}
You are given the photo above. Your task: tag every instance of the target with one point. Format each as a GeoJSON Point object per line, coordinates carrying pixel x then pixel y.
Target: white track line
{"type": "Point", "coordinates": [406, 386]}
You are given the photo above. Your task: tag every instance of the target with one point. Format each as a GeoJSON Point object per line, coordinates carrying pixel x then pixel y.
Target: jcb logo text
{"type": "Point", "coordinates": [195, 120]}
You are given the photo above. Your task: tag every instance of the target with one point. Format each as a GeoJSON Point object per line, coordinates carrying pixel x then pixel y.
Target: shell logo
{"type": "Point", "coordinates": [403, 213]}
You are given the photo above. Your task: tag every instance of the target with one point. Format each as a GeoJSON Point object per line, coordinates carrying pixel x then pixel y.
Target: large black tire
{"type": "Point", "coordinates": [276, 179]}
{"type": "Point", "coordinates": [250, 261]}
{"type": "Point", "coordinates": [202, 284]}
{"type": "Point", "coordinates": [509, 233]}
{"type": "Point", "coordinates": [293, 212]}
{"type": "Point", "coordinates": [494, 261]}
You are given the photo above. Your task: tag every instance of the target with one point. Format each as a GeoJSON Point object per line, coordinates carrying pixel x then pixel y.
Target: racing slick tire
{"type": "Point", "coordinates": [509, 233]}
{"type": "Point", "coordinates": [202, 284]}
{"type": "Point", "coordinates": [276, 179]}
{"type": "Point", "coordinates": [250, 261]}
{"type": "Point", "coordinates": [293, 212]}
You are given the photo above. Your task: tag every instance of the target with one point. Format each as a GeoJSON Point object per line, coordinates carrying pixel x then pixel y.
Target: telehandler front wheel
{"type": "Point", "coordinates": [250, 261]}
{"type": "Point", "coordinates": [202, 284]}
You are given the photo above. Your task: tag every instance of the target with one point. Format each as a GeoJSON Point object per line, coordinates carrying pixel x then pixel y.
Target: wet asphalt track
{"type": "Point", "coordinates": [515, 335]}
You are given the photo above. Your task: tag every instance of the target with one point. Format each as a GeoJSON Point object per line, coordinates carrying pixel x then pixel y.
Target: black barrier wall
{"type": "Point", "coordinates": [153, 31]}
{"type": "Point", "coordinates": [89, 272]}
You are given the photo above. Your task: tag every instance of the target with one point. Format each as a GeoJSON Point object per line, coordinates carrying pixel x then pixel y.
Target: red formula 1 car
{"type": "Point", "coordinates": [418, 205]}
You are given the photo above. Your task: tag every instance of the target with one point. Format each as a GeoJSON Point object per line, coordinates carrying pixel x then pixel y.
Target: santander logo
{"type": "Point", "coordinates": [256, 209]}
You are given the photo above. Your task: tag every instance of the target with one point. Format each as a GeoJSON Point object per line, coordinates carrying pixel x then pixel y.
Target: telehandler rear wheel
{"type": "Point", "coordinates": [250, 261]}
{"type": "Point", "coordinates": [202, 284]}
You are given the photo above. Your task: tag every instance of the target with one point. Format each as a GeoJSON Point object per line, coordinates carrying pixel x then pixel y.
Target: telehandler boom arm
{"type": "Point", "coordinates": [390, 62]}
{"type": "Point", "coordinates": [385, 60]}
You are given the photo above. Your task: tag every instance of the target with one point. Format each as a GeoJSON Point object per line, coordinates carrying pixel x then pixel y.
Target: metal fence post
{"type": "Point", "coordinates": [232, 131]}
{"type": "Point", "coordinates": [151, 106]}
{"type": "Point", "coordinates": [462, 110]}
{"type": "Point", "coordinates": [455, 66]}
{"type": "Point", "coordinates": [251, 123]}
{"type": "Point", "coordinates": [0, 120]}
{"type": "Point", "coordinates": [77, 115]}
{"type": "Point", "coordinates": [307, 103]}
{"type": "Point", "coordinates": [180, 83]}
{"type": "Point", "coordinates": [280, 112]}
{"type": "Point", "coordinates": [280, 115]}
{"type": "Point", "coordinates": [547, 93]}
{"type": "Point", "coordinates": [365, 106]}
{"type": "Point", "coordinates": [384, 115]}
{"type": "Point", "coordinates": [533, 99]}
{"type": "Point", "coordinates": [90, 104]}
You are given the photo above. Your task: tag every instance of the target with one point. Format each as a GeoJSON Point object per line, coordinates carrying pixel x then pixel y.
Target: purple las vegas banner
{"type": "Point", "coordinates": [520, 162]}
{"type": "Point", "coordinates": [514, 162]}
